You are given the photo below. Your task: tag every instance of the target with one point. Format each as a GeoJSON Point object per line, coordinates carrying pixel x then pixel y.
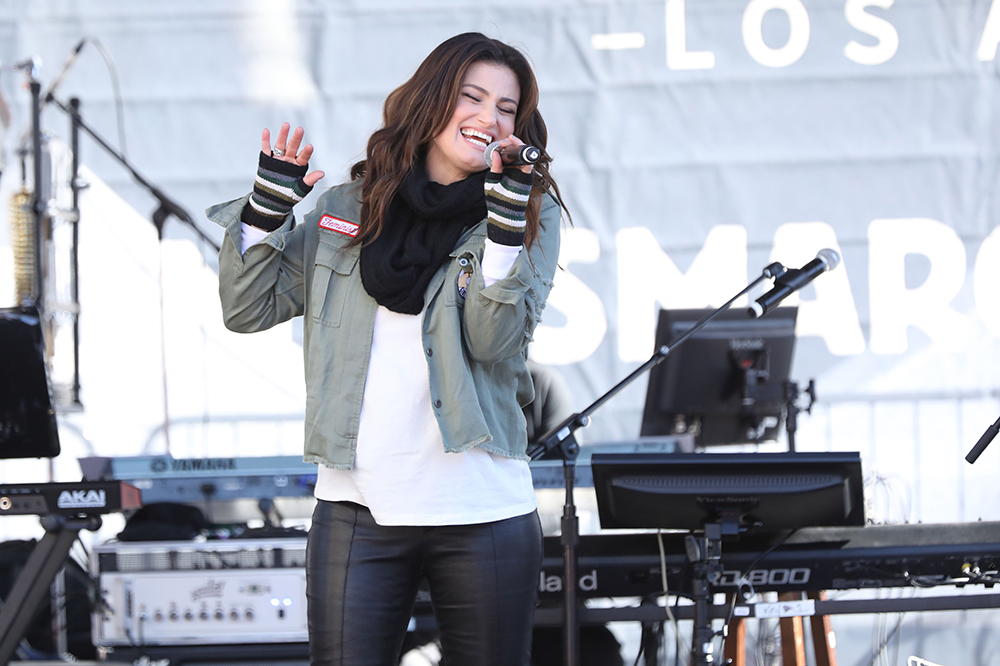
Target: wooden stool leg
{"type": "Point", "coordinates": [735, 647]}
{"type": "Point", "coordinates": [793, 647]}
{"type": "Point", "coordinates": [824, 641]}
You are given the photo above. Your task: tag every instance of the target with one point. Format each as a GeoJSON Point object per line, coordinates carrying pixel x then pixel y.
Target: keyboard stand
{"type": "Point", "coordinates": [793, 652]}
{"type": "Point", "coordinates": [34, 581]}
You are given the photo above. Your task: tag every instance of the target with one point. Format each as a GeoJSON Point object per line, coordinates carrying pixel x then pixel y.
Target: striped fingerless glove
{"type": "Point", "coordinates": [506, 202]}
{"type": "Point", "coordinates": [277, 189]}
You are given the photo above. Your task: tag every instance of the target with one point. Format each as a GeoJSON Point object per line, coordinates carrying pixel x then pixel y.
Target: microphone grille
{"type": "Point", "coordinates": [829, 257]}
{"type": "Point", "coordinates": [22, 240]}
{"type": "Point", "coordinates": [488, 153]}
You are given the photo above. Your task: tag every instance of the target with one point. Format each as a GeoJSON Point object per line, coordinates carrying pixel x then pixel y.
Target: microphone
{"type": "Point", "coordinates": [512, 155]}
{"type": "Point", "coordinates": [983, 442]}
{"type": "Point", "coordinates": [793, 280]}
{"type": "Point", "coordinates": [69, 63]}
{"type": "Point", "coordinates": [30, 65]}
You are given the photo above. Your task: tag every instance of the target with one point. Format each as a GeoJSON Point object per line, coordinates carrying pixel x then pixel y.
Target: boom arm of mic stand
{"type": "Point", "coordinates": [167, 205]}
{"type": "Point", "coordinates": [562, 440]}
{"type": "Point", "coordinates": [983, 442]}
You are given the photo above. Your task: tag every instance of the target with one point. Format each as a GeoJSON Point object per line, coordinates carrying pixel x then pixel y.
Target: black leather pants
{"type": "Point", "coordinates": [362, 578]}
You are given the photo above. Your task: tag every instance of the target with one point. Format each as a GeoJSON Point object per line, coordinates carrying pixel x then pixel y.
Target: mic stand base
{"type": "Point", "coordinates": [570, 539]}
{"type": "Point", "coordinates": [704, 552]}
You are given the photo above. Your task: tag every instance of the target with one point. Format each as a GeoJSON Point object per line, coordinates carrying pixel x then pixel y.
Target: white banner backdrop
{"type": "Point", "coordinates": [695, 141]}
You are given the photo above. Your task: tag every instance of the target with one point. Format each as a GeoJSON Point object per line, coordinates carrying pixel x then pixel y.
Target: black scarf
{"type": "Point", "coordinates": [422, 226]}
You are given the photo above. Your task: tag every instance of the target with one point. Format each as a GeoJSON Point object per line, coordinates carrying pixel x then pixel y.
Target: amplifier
{"type": "Point", "coordinates": [183, 593]}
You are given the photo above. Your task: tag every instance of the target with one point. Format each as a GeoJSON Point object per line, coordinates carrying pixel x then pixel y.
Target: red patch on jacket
{"type": "Point", "coordinates": [340, 226]}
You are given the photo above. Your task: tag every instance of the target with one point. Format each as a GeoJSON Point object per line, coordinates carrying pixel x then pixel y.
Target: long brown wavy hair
{"type": "Point", "coordinates": [417, 111]}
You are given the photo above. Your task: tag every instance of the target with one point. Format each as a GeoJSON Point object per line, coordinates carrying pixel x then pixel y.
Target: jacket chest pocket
{"type": "Point", "coordinates": [330, 283]}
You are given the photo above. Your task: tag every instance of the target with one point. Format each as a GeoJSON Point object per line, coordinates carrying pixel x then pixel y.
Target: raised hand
{"type": "Point", "coordinates": [286, 149]}
{"type": "Point", "coordinates": [281, 180]}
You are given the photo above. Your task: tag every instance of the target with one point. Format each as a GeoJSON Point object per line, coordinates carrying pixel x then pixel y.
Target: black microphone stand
{"type": "Point", "coordinates": [561, 441]}
{"type": "Point", "coordinates": [167, 205]}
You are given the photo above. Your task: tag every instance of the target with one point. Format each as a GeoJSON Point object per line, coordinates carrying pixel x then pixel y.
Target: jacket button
{"type": "Point", "coordinates": [463, 262]}
{"type": "Point", "coordinates": [430, 352]}
{"type": "Point", "coordinates": [437, 403]}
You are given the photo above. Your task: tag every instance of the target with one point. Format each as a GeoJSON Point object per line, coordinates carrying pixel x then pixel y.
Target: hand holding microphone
{"type": "Point", "coordinates": [793, 280]}
{"type": "Point", "coordinates": [508, 190]}
{"type": "Point", "coordinates": [512, 153]}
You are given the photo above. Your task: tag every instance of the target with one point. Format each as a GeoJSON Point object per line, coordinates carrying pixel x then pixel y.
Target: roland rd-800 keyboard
{"type": "Point", "coordinates": [819, 558]}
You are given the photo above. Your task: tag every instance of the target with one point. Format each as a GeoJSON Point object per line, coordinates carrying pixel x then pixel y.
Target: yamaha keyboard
{"type": "Point", "coordinates": [193, 480]}
{"type": "Point", "coordinates": [819, 558]}
{"type": "Point", "coordinates": [68, 499]}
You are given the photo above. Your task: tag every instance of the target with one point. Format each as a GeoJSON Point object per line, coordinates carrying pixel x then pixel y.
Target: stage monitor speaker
{"type": "Point", "coordinates": [27, 419]}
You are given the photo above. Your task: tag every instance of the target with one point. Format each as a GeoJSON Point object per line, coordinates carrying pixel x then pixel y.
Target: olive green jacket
{"type": "Point", "coordinates": [475, 346]}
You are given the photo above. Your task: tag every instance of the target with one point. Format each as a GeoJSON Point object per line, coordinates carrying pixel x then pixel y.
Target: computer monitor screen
{"type": "Point", "coordinates": [769, 491]}
{"type": "Point", "coordinates": [27, 420]}
{"type": "Point", "coordinates": [726, 383]}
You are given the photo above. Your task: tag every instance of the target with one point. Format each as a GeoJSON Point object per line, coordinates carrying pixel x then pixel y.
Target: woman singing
{"type": "Point", "coordinates": [421, 281]}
